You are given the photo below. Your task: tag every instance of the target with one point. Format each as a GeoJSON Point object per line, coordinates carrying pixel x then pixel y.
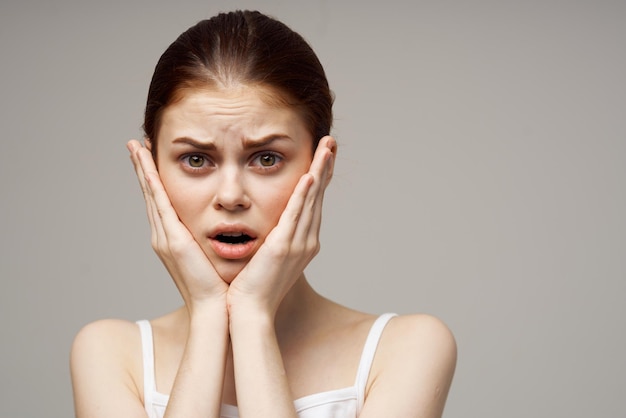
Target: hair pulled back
{"type": "Point", "coordinates": [247, 48]}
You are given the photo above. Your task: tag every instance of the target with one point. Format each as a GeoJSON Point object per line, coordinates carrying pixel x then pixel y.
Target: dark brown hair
{"type": "Point", "coordinates": [242, 47]}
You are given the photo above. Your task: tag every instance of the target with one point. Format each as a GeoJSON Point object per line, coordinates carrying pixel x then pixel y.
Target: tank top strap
{"type": "Point", "coordinates": [147, 350]}
{"type": "Point", "coordinates": [367, 356]}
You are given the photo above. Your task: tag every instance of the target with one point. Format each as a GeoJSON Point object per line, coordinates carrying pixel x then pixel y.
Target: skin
{"type": "Point", "coordinates": [252, 331]}
{"type": "Point", "coordinates": [256, 155]}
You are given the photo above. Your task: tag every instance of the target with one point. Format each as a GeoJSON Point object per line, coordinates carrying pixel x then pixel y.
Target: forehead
{"type": "Point", "coordinates": [236, 111]}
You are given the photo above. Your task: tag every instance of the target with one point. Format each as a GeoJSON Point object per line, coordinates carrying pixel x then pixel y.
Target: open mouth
{"type": "Point", "coordinates": [233, 242]}
{"type": "Point", "coordinates": [233, 238]}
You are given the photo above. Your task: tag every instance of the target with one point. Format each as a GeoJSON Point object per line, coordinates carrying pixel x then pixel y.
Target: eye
{"type": "Point", "coordinates": [195, 162]}
{"type": "Point", "coordinates": [267, 160]}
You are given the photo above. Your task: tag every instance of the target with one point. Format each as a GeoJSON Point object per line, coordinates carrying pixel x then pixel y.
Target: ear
{"type": "Point", "coordinates": [332, 145]}
{"type": "Point", "coordinates": [147, 142]}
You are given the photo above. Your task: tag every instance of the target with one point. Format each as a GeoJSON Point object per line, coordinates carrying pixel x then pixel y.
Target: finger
{"type": "Point", "coordinates": [326, 146]}
{"type": "Point", "coordinates": [318, 201]}
{"type": "Point", "coordinates": [163, 211]}
{"type": "Point", "coordinates": [330, 143]}
{"type": "Point", "coordinates": [158, 232]}
{"type": "Point", "coordinates": [288, 221]}
{"type": "Point", "coordinates": [144, 162]}
{"type": "Point", "coordinates": [295, 219]}
{"type": "Point", "coordinates": [324, 182]}
{"type": "Point", "coordinates": [321, 169]}
{"type": "Point", "coordinates": [322, 166]}
{"type": "Point", "coordinates": [134, 146]}
{"type": "Point", "coordinates": [310, 217]}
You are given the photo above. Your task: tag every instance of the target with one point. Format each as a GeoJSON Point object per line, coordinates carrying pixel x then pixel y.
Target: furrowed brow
{"type": "Point", "coordinates": [265, 141]}
{"type": "Point", "coordinates": [204, 146]}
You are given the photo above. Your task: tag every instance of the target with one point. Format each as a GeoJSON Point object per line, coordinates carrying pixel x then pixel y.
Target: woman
{"type": "Point", "coordinates": [233, 168]}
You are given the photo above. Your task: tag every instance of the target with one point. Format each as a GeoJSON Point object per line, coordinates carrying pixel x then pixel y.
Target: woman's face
{"type": "Point", "coordinates": [229, 162]}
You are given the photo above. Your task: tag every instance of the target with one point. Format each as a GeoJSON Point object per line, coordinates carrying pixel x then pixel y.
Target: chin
{"type": "Point", "coordinates": [228, 270]}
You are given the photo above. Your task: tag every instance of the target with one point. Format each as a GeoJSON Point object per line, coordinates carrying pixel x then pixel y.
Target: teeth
{"type": "Point", "coordinates": [232, 234]}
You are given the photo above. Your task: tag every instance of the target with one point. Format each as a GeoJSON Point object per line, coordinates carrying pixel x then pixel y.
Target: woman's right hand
{"type": "Point", "coordinates": [194, 275]}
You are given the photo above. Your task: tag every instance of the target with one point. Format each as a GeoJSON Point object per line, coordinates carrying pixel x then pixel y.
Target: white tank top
{"type": "Point", "coordinates": [339, 403]}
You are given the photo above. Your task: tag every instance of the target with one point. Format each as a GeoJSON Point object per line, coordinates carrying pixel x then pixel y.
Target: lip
{"type": "Point", "coordinates": [232, 251]}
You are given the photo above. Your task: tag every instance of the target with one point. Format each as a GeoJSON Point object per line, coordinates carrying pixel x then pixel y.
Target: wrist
{"type": "Point", "coordinates": [250, 317]}
{"type": "Point", "coordinates": [208, 311]}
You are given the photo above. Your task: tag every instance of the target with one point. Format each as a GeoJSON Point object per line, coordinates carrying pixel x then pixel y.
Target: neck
{"type": "Point", "coordinates": [298, 308]}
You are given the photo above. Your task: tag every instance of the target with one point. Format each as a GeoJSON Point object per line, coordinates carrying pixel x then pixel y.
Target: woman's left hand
{"type": "Point", "coordinates": [290, 246]}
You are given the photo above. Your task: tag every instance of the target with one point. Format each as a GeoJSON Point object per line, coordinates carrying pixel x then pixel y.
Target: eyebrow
{"type": "Point", "coordinates": [247, 142]}
{"type": "Point", "coordinates": [205, 146]}
{"type": "Point", "coordinates": [266, 140]}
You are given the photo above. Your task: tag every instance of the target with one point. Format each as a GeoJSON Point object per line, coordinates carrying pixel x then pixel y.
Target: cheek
{"type": "Point", "coordinates": [274, 198]}
{"type": "Point", "coordinates": [186, 198]}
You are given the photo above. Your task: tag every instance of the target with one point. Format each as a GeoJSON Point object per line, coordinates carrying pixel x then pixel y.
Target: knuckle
{"type": "Point", "coordinates": [316, 247]}
{"type": "Point", "coordinates": [312, 246]}
{"type": "Point", "coordinates": [154, 242]}
{"type": "Point", "coordinates": [161, 212]}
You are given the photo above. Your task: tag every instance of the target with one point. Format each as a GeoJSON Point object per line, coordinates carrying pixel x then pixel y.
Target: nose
{"type": "Point", "coordinates": [231, 191]}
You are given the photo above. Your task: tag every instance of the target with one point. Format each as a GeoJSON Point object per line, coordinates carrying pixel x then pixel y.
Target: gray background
{"type": "Point", "coordinates": [481, 178]}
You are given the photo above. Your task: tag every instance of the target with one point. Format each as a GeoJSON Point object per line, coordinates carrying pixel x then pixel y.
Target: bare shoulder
{"type": "Point", "coordinates": [413, 369]}
{"type": "Point", "coordinates": [421, 343]}
{"type": "Point", "coordinates": [420, 334]}
{"type": "Point", "coordinates": [106, 327]}
{"type": "Point", "coordinates": [105, 339]}
{"type": "Point", "coordinates": [104, 364]}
